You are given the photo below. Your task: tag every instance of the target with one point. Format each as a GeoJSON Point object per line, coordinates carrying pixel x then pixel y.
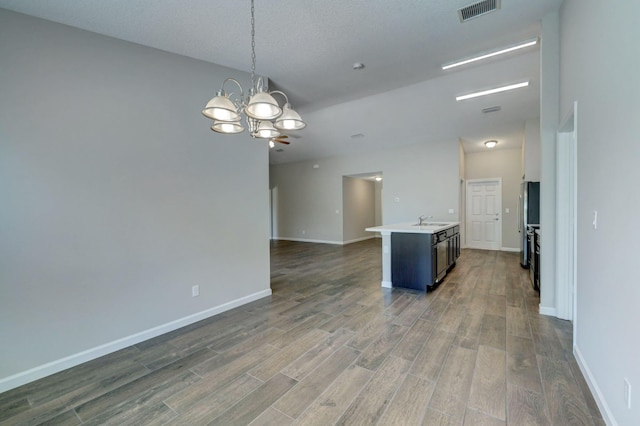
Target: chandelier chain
{"type": "Point", "coordinates": [253, 46]}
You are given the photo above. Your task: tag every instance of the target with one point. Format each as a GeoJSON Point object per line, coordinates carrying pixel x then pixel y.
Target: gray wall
{"type": "Point", "coordinates": [505, 164]}
{"type": "Point", "coordinates": [599, 69]}
{"type": "Point", "coordinates": [358, 207]}
{"type": "Point", "coordinates": [422, 177]}
{"type": "Point", "coordinates": [531, 150]}
{"type": "Point", "coordinates": [116, 197]}
{"type": "Point", "coordinates": [549, 112]}
{"type": "Point", "coordinates": [378, 203]}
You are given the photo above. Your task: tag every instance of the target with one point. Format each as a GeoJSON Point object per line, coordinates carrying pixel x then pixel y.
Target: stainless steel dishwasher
{"type": "Point", "coordinates": [442, 254]}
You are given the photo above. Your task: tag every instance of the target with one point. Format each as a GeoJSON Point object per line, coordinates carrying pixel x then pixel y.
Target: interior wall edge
{"type": "Point", "coordinates": [58, 365]}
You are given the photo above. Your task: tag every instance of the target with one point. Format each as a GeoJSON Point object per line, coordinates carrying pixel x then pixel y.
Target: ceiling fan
{"type": "Point", "coordinates": [279, 139]}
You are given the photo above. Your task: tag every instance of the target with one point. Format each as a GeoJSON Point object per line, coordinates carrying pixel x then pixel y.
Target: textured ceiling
{"type": "Point", "coordinates": [307, 48]}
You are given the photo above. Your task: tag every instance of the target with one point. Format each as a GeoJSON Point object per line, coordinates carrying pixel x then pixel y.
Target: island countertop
{"type": "Point", "coordinates": [430, 227]}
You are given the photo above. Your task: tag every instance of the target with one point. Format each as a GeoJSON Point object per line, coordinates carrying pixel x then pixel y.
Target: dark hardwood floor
{"type": "Point", "coordinates": [333, 347]}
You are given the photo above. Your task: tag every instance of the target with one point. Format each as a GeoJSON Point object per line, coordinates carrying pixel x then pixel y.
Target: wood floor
{"type": "Point", "coordinates": [332, 347]}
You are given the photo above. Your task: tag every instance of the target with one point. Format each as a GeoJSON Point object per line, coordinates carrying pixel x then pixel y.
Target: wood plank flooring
{"type": "Point", "coordinates": [330, 347]}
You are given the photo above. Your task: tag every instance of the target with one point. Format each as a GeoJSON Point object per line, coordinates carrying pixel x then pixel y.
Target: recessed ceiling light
{"type": "Point", "coordinates": [491, 144]}
{"type": "Point", "coordinates": [358, 66]}
{"type": "Point", "coordinates": [491, 54]}
{"type": "Point", "coordinates": [491, 91]}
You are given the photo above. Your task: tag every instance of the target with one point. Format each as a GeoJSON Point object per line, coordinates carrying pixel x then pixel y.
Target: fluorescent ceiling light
{"type": "Point", "coordinates": [491, 54]}
{"type": "Point", "coordinates": [490, 91]}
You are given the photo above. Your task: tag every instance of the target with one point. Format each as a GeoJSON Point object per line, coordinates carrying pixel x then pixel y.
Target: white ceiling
{"type": "Point", "coordinates": [307, 48]}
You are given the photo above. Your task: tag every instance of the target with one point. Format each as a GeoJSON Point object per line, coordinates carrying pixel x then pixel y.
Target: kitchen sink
{"type": "Point", "coordinates": [431, 224]}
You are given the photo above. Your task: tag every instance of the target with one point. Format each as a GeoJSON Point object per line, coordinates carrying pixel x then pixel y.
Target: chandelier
{"type": "Point", "coordinates": [263, 115]}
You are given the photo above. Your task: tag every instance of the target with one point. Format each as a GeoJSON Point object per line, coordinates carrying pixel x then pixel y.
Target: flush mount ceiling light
{"type": "Point", "coordinates": [491, 91]}
{"type": "Point", "coordinates": [378, 178]}
{"type": "Point", "coordinates": [491, 54]}
{"type": "Point", "coordinates": [491, 144]}
{"type": "Point", "coordinates": [264, 116]}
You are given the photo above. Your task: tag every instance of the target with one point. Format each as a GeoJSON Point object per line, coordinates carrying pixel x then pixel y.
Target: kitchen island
{"type": "Point", "coordinates": [418, 256]}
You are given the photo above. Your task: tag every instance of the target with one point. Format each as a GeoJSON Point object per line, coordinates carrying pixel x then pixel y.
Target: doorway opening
{"type": "Point", "coordinates": [361, 205]}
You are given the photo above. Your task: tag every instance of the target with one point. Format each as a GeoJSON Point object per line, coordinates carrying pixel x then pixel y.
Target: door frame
{"type": "Point", "coordinates": [469, 182]}
{"type": "Point", "coordinates": [566, 218]}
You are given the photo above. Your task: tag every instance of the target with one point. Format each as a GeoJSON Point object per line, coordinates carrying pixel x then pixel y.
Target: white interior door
{"type": "Point", "coordinates": [484, 221]}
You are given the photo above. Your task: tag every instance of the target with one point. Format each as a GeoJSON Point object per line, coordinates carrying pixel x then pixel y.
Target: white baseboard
{"type": "Point", "coordinates": [549, 311]}
{"type": "Point", "coordinates": [387, 284]}
{"type": "Point", "coordinates": [357, 240]}
{"type": "Point", "coordinates": [511, 249]}
{"type": "Point", "coordinates": [56, 366]}
{"type": "Point", "coordinates": [605, 411]}
{"type": "Point", "coordinates": [308, 240]}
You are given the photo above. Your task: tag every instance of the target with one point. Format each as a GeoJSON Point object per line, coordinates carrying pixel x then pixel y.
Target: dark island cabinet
{"type": "Point", "coordinates": [419, 261]}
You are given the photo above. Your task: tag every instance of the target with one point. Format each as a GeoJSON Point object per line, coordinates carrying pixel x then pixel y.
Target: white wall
{"type": "Point", "coordinates": [505, 164]}
{"type": "Point", "coordinates": [358, 208]}
{"type": "Point", "coordinates": [599, 69]}
{"type": "Point", "coordinates": [116, 197]}
{"type": "Point", "coordinates": [422, 177]}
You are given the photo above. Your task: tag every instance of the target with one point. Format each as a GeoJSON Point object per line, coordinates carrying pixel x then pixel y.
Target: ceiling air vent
{"type": "Point", "coordinates": [492, 109]}
{"type": "Point", "coordinates": [478, 9]}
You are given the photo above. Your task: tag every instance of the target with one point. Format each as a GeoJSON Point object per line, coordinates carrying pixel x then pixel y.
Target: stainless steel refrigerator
{"type": "Point", "coordinates": [528, 214]}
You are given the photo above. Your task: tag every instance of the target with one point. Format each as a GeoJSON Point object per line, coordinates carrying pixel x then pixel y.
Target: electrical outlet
{"type": "Point", "coordinates": [195, 291]}
{"type": "Point", "coordinates": [627, 393]}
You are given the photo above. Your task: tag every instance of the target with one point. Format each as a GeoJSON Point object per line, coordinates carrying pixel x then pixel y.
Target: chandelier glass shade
{"type": "Point", "coordinates": [263, 115]}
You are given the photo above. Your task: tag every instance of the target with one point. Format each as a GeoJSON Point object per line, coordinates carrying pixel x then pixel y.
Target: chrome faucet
{"type": "Point", "coordinates": [422, 218]}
